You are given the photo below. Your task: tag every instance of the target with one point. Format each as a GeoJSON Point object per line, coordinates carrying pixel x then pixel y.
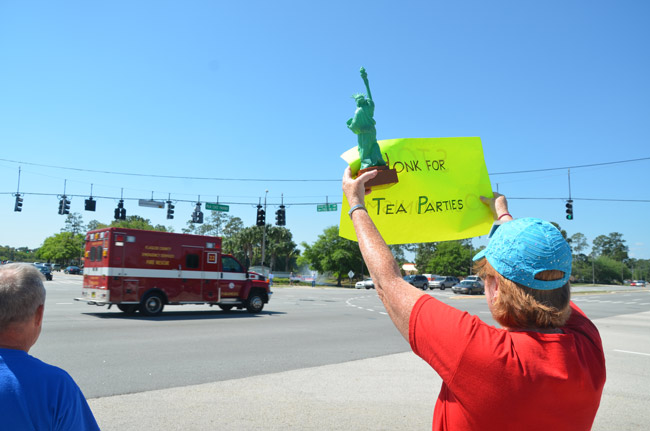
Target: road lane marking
{"type": "Point", "coordinates": [634, 353]}
{"type": "Point", "coordinates": [64, 303]}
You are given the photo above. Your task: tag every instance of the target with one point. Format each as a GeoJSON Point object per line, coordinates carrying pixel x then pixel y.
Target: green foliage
{"type": "Point", "coordinates": [20, 254]}
{"type": "Point", "coordinates": [74, 224]}
{"type": "Point", "coordinates": [331, 253]}
{"type": "Point", "coordinates": [424, 252]}
{"type": "Point", "coordinates": [602, 270]}
{"type": "Point", "coordinates": [245, 243]}
{"type": "Point", "coordinates": [578, 243]}
{"type": "Point", "coordinates": [450, 258]}
{"type": "Point", "coordinates": [137, 222]}
{"type": "Point", "coordinates": [281, 251]}
{"type": "Point", "coordinates": [640, 269]}
{"type": "Point", "coordinates": [612, 246]}
{"type": "Point", "coordinates": [610, 271]}
{"type": "Point", "coordinates": [63, 248]}
{"type": "Point", "coordinates": [581, 268]}
{"type": "Point", "coordinates": [214, 224]}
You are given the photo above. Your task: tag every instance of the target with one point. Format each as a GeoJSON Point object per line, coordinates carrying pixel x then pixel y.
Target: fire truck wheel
{"type": "Point", "coordinates": [152, 304]}
{"type": "Point", "coordinates": [226, 307]}
{"type": "Point", "coordinates": [128, 309]}
{"type": "Point", "coordinates": [255, 303]}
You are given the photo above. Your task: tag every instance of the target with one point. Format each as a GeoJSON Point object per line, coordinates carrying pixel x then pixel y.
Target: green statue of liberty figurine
{"type": "Point", "coordinates": [363, 125]}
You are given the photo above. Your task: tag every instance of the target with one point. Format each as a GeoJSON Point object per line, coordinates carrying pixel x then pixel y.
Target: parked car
{"type": "Point", "coordinates": [638, 283]}
{"type": "Point", "coordinates": [475, 278]}
{"type": "Point", "coordinates": [366, 283]}
{"type": "Point", "coordinates": [442, 282]}
{"type": "Point", "coordinates": [45, 271]}
{"type": "Point", "coordinates": [72, 270]}
{"type": "Point", "coordinates": [469, 287]}
{"type": "Point", "coordinates": [419, 281]}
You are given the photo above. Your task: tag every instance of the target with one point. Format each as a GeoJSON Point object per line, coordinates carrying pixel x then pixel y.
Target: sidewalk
{"type": "Point", "coordinates": [394, 392]}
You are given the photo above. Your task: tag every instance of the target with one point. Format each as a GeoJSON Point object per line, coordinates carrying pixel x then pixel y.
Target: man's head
{"type": "Point", "coordinates": [21, 293]}
{"type": "Point", "coordinates": [526, 268]}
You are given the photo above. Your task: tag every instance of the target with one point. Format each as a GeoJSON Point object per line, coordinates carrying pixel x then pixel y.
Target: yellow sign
{"type": "Point", "coordinates": [437, 196]}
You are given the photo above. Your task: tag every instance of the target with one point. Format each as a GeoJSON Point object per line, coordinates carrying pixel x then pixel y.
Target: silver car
{"type": "Point", "coordinates": [366, 283]}
{"type": "Point", "coordinates": [469, 287]}
{"type": "Point", "coordinates": [441, 282]}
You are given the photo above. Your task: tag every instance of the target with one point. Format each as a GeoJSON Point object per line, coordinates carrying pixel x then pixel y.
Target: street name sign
{"type": "Point", "coordinates": [326, 207]}
{"type": "Point", "coordinates": [151, 203]}
{"type": "Point", "coordinates": [216, 207]}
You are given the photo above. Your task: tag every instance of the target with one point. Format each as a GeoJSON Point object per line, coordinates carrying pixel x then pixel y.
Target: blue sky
{"type": "Point", "coordinates": [261, 90]}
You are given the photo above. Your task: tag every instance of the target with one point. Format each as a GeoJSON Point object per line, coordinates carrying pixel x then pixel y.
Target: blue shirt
{"type": "Point", "coordinates": [38, 396]}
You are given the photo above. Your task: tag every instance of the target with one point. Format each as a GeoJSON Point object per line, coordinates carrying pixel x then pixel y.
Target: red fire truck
{"type": "Point", "coordinates": [146, 270]}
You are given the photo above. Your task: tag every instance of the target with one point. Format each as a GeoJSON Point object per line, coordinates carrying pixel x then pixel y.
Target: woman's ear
{"type": "Point", "coordinates": [492, 288]}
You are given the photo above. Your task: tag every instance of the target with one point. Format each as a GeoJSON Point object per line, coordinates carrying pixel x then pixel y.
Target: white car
{"type": "Point", "coordinates": [365, 284]}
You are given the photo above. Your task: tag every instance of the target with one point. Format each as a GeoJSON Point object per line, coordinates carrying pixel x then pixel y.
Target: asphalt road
{"type": "Point", "coordinates": [302, 336]}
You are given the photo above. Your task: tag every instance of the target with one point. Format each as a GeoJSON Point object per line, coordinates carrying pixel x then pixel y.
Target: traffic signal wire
{"type": "Point", "coordinates": [180, 177]}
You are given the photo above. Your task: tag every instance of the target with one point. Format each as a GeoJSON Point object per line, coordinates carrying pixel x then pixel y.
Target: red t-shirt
{"type": "Point", "coordinates": [494, 379]}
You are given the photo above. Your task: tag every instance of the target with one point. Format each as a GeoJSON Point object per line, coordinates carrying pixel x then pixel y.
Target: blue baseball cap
{"type": "Point", "coordinates": [522, 248]}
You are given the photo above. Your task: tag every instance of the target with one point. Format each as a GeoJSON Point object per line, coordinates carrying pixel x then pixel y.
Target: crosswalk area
{"type": "Point", "coordinates": [57, 282]}
{"type": "Point", "coordinates": [640, 298]}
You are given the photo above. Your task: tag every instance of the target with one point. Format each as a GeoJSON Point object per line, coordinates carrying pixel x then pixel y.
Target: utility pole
{"type": "Point", "coordinates": [593, 272]}
{"type": "Point", "coordinates": [264, 237]}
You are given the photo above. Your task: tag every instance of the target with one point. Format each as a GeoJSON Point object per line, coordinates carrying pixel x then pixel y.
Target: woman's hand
{"type": "Point", "coordinates": [355, 188]}
{"type": "Point", "coordinates": [498, 205]}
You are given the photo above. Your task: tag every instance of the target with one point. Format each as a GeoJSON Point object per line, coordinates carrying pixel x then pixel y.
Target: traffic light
{"type": "Point", "coordinates": [90, 204]}
{"type": "Point", "coordinates": [120, 211]}
{"type": "Point", "coordinates": [261, 216]}
{"type": "Point", "coordinates": [569, 209]}
{"type": "Point", "coordinates": [64, 205]}
{"type": "Point", "coordinates": [19, 203]}
{"type": "Point", "coordinates": [170, 210]}
{"type": "Point", "coordinates": [281, 216]}
{"type": "Point", "coordinates": [197, 215]}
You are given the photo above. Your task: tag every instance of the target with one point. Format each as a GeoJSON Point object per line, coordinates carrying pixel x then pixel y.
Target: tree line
{"type": "Point", "coordinates": [606, 262]}
{"type": "Point", "coordinates": [244, 242]}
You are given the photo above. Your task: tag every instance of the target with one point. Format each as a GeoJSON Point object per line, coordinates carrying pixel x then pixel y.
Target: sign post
{"type": "Point", "coordinates": [350, 274]}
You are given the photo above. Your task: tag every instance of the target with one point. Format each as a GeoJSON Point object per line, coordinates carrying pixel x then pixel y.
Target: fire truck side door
{"type": "Point", "coordinates": [233, 277]}
{"type": "Point", "coordinates": [128, 290]}
{"type": "Point", "coordinates": [192, 274]}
